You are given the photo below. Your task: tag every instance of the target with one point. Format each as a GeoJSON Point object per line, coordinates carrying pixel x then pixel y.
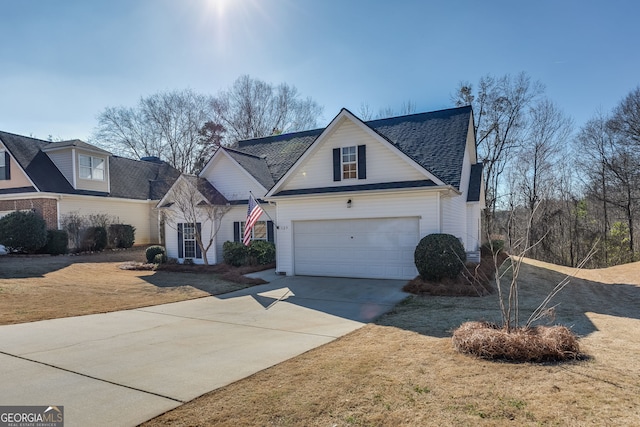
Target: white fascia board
{"type": "Point", "coordinates": [447, 189]}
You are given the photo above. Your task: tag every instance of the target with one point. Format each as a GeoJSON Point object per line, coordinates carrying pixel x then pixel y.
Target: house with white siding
{"type": "Point", "coordinates": [59, 178]}
{"type": "Point", "coordinates": [352, 199]}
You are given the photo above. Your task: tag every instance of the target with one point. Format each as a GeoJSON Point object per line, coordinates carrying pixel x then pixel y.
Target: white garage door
{"type": "Point", "coordinates": [368, 248]}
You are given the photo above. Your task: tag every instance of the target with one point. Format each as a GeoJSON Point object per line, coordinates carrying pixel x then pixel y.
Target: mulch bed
{"type": "Point", "coordinates": [226, 272]}
{"type": "Point", "coordinates": [475, 280]}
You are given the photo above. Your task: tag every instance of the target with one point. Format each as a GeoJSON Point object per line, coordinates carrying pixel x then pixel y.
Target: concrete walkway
{"type": "Point", "coordinates": [125, 367]}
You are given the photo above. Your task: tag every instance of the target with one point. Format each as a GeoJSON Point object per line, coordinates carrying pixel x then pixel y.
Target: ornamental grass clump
{"type": "Point", "coordinates": [535, 344]}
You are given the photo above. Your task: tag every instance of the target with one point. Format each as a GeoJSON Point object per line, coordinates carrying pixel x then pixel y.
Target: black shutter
{"type": "Point", "coordinates": [180, 242]}
{"type": "Point", "coordinates": [337, 172]}
{"type": "Point", "coordinates": [362, 161]}
{"type": "Point", "coordinates": [198, 250]}
{"type": "Point", "coordinates": [7, 166]}
{"type": "Point", "coordinates": [270, 231]}
{"type": "Point", "coordinates": [236, 231]}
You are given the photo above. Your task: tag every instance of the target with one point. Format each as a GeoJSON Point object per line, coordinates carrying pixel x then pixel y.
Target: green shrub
{"type": "Point", "coordinates": [160, 259]}
{"type": "Point", "coordinates": [438, 256]}
{"type": "Point", "coordinates": [94, 239]}
{"type": "Point", "coordinates": [121, 235]}
{"type": "Point", "coordinates": [57, 242]}
{"type": "Point", "coordinates": [154, 250]}
{"type": "Point", "coordinates": [234, 253]}
{"type": "Point", "coordinates": [23, 231]}
{"type": "Point", "coordinates": [262, 252]}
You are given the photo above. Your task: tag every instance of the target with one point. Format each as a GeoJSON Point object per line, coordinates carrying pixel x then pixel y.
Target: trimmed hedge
{"type": "Point", "coordinates": [153, 251]}
{"type": "Point", "coordinates": [57, 242]}
{"type": "Point", "coordinates": [260, 252]}
{"type": "Point", "coordinates": [438, 256]}
{"type": "Point", "coordinates": [23, 231]}
{"type": "Point", "coordinates": [121, 235]}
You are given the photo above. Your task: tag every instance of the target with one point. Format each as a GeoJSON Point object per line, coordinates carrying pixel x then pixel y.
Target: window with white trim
{"type": "Point", "coordinates": [91, 167]}
{"type": "Point", "coordinates": [349, 163]}
{"type": "Point", "coordinates": [259, 231]}
{"type": "Point", "coordinates": [189, 240]}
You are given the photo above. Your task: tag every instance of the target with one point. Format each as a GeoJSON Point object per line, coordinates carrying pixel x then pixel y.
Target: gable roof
{"type": "Point", "coordinates": [435, 140]}
{"type": "Point", "coordinates": [256, 166]}
{"type": "Point", "coordinates": [130, 179]}
{"type": "Point", "coordinates": [208, 191]}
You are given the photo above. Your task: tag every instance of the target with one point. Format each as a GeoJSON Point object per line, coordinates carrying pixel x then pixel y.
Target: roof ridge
{"type": "Point", "coordinates": [235, 150]}
{"type": "Point", "coordinates": [424, 113]}
{"type": "Point", "coordinates": [27, 137]}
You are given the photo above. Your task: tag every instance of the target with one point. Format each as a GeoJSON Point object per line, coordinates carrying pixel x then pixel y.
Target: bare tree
{"type": "Point", "coordinates": [168, 125]}
{"type": "Point", "coordinates": [251, 108]}
{"type": "Point", "coordinates": [194, 202]}
{"type": "Point", "coordinates": [500, 112]}
{"type": "Point", "coordinates": [626, 118]}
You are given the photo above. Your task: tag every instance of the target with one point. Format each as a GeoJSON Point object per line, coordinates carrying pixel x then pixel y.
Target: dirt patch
{"type": "Point", "coordinates": [47, 287]}
{"type": "Point", "coordinates": [404, 370]}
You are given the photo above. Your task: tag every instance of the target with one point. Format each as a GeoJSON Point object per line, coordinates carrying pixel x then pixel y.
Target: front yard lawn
{"type": "Point", "coordinates": [48, 287]}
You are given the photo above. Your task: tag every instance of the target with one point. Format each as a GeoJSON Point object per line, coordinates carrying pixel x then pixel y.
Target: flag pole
{"type": "Point", "coordinates": [264, 211]}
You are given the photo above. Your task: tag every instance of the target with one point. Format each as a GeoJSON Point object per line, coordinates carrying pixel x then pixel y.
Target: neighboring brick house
{"type": "Point", "coordinates": [58, 178]}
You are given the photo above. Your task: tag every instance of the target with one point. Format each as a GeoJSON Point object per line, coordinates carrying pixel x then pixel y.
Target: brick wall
{"type": "Point", "coordinates": [47, 208]}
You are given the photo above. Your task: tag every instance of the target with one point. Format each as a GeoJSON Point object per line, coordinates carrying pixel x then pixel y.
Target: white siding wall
{"type": "Point", "coordinates": [422, 204]}
{"type": "Point", "coordinates": [140, 214]}
{"type": "Point", "coordinates": [473, 226]}
{"type": "Point", "coordinates": [225, 233]}
{"type": "Point", "coordinates": [230, 180]}
{"type": "Point", "coordinates": [383, 165]}
{"type": "Point", "coordinates": [454, 217]}
{"type": "Point", "coordinates": [63, 159]}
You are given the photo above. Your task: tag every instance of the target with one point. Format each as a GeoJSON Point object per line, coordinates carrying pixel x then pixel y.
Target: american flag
{"type": "Point", "coordinates": [253, 213]}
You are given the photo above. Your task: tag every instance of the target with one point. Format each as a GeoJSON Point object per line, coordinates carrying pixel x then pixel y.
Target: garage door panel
{"type": "Point", "coordinates": [370, 248]}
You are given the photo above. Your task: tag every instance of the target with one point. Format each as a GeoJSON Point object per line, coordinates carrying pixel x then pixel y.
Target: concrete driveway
{"type": "Point", "coordinates": [125, 367]}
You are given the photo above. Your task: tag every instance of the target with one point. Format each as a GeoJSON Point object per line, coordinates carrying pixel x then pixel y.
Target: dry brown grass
{"type": "Point", "coordinates": [404, 371]}
{"type": "Point", "coordinates": [537, 344]}
{"type": "Point", "coordinates": [45, 287]}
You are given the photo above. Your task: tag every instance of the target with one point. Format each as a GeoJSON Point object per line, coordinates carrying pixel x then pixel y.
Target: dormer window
{"type": "Point", "coordinates": [349, 163]}
{"type": "Point", "coordinates": [91, 167]}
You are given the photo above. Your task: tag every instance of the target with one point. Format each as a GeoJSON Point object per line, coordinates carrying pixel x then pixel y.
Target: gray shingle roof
{"type": "Point", "coordinates": [205, 188]}
{"type": "Point", "coordinates": [435, 140]}
{"type": "Point", "coordinates": [256, 166]}
{"type": "Point", "coordinates": [281, 151]}
{"type": "Point", "coordinates": [130, 179]}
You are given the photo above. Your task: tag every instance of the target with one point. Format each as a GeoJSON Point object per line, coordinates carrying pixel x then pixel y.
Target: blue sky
{"type": "Point", "coordinates": [64, 61]}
